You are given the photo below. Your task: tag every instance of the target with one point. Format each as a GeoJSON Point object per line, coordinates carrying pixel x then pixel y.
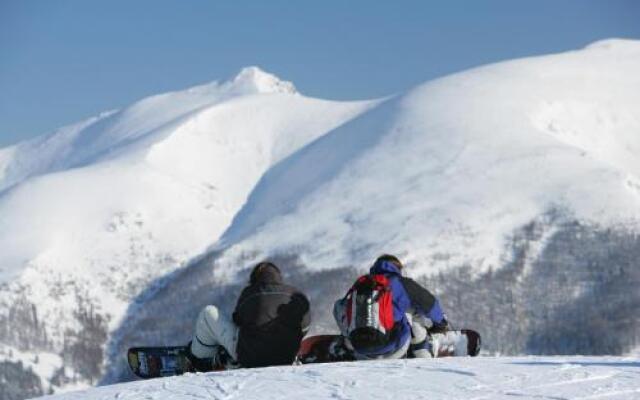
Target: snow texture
{"type": "Point", "coordinates": [534, 378]}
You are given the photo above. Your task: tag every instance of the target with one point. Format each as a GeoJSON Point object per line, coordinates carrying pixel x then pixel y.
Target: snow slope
{"type": "Point", "coordinates": [153, 185]}
{"type": "Point", "coordinates": [94, 212]}
{"type": "Point", "coordinates": [566, 378]}
{"type": "Point", "coordinates": [156, 175]}
{"type": "Point", "coordinates": [443, 174]}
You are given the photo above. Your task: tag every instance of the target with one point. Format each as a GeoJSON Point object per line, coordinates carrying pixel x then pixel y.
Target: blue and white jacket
{"type": "Point", "coordinates": [408, 297]}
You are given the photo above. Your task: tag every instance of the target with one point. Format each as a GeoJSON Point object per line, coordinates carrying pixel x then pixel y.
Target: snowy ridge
{"type": "Point", "coordinates": [94, 212]}
{"type": "Point", "coordinates": [466, 171]}
{"type": "Point", "coordinates": [567, 378]}
{"type": "Point", "coordinates": [102, 136]}
{"type": "Point", "coordinates": [447, 175]}
{"type": "Point", "coordinates": [168, 159]}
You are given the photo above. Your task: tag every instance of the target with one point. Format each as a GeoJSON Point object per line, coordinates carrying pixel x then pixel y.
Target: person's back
{"type": "Point", "coordinates": [413, 310]}
{"type": "Point", "coordinates": [272, 318]}
{"type": "Point", "coordinates": [267, 327]}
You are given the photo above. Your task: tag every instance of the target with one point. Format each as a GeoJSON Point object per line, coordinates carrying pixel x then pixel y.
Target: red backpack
{"type": "Point", "coordinates": [369, 312]}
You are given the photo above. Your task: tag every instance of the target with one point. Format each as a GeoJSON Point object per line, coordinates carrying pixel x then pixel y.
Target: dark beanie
{"type": "Point", "coordinates": [265, 272]}
{"type": "Point", "coordinates": [389, 258]}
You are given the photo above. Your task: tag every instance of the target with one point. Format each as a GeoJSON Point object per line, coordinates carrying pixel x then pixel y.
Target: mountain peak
{"type": "Point", "coordinates": [618, 44]}
{"type": "Point", "coordinates": [255, 79]}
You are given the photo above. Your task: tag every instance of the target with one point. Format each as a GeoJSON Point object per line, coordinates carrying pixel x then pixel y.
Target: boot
{"type": "Point", "coordinates": [423, 349]}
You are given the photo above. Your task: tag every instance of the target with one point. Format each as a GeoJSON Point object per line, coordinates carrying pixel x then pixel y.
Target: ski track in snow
{"type": "Point", "coordinates": [552, 378]}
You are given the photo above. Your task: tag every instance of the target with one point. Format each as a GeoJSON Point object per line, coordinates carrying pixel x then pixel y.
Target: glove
{"type": "Point", "coordinates": [439, 327]}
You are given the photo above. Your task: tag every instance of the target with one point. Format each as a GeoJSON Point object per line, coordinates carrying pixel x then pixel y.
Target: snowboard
{"type": "Point", "coordinates": [326, 348]}
{"type": "Point", "coordinates": [155, 362]}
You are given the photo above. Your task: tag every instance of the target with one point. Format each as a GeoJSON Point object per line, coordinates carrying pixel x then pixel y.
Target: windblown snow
{"type": "Point", "coordinates": [442, 176]}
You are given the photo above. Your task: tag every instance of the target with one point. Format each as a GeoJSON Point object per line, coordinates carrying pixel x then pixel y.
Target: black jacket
{"type": "Point", "coordinates": [272, 318]}
{"type": "Point", "coordinates": [422, 299]}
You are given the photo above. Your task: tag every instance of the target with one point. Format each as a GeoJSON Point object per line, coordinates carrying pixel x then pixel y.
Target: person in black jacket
{"type": "Point", "coordinates": [267, 326]}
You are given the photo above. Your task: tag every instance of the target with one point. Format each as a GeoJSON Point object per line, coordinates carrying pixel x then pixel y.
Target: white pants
{"type": "Point", "coordinates": [214, 329]}
{"type": "Point", "coordinates": [418, 327]}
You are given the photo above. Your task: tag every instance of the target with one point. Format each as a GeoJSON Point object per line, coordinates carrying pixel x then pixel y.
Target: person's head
{"type": "Point", "coordinates": [386, 263]}
{"type": "Point", "coordinates": [265, 272]}
{"type": "Point", "coordinates": [390, 258]}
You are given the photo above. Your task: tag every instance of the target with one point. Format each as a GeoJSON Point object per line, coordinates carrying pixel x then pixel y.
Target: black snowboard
{"type": "Point", "coordinates": [155, 362]}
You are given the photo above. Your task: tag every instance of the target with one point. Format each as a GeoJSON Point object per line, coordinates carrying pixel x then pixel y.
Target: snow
{"type": "Point", "coordinates": [274, 171]}
{"type": "Point", "coordinates": [567, 378]}
{"type": "Point", "coordinates": [126, 197]}
{"type": "Point", "coordinates": [635, 353]}
{"type": "Point", "coordinates": [441, 176]}
{"type": "Point", "coordinates": [99, 209]}
{"type": "Point", "coordinates": [134, 128]}
{"type": "Point", "coordinates": [43, 364]}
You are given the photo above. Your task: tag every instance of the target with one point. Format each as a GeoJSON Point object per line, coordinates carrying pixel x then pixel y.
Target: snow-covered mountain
{"type": "Point", "coordinates": [93, 213]}
{"type": "Point", "coordinates": [161, 179]}
{"type": "Point", "coordinates": [502, 187]}
{"type": "Point", "coordinates": [443, 173]}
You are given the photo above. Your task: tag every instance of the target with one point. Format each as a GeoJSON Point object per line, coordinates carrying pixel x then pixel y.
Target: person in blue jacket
{"type": "Point", "coordinates": [416, 313]}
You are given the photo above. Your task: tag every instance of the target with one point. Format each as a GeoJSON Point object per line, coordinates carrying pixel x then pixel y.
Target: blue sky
{"type": "Point", "coordinates": [62, 61]}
